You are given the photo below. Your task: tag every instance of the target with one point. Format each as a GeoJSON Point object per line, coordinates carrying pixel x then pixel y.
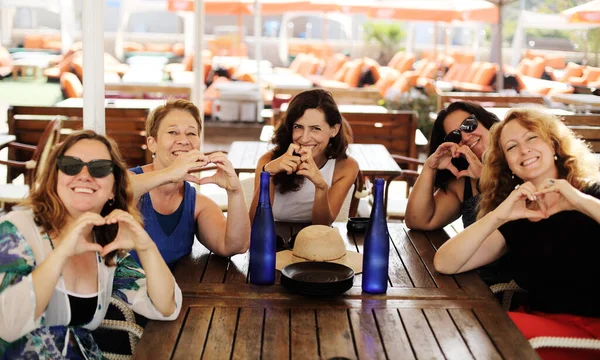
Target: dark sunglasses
{"type": "Point", "coordinates": [97, 168]}
{"type": "Point", "coordinates": [468, 126]}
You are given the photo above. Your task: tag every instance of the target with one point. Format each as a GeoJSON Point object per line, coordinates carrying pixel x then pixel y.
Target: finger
{"type": "Point", "coordinates": [469, 155]}
{"type": "Point", "coordinates": [92, 247]}
{"type": "Point", "coordinates": [542, 205]}
{"type": "Point", "coordinates": [112, 247]}
{"type": "Point", "coordinates": [447, 146]}
{"type": "Point", "coordinates": [534, 214]}
{"type": "Point", "coordinates": [206, 180]}
{"type": "Point", "coordinates": [192, 178]}
{"type": "Point", "coordinates": [527, 193]}
{"type": "Point", "coordinates": [293, 147]}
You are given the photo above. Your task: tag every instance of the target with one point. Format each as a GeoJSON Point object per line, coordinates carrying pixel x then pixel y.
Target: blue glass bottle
{"type": "Point", "coordinates": [263, 241]}
{"type": "Point", "coordinates": [377, 246]}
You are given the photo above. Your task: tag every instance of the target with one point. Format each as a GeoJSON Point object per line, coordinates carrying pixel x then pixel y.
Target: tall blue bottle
{"type": "Point", "coordinates": [376, 253]}
{"type": "Point", "coordinates": [263, 239]}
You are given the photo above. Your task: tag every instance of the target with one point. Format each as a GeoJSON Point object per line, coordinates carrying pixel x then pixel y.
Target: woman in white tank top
{"type": "Point", "coordinates": [310, 170]}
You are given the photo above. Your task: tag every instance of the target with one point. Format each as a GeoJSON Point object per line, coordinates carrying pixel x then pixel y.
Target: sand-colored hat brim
{"type": "Point", "coordinates": [352, 259]}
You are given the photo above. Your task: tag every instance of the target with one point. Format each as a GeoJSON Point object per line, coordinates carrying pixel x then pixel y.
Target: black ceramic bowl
{"type": "Point", "coordinates": [357, 224]}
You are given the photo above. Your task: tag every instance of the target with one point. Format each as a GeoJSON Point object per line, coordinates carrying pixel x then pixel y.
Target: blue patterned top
{"type": "Point", "coordinates": [22, 247]}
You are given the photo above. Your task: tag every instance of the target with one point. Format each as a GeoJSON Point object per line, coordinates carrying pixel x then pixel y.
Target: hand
{"type": "Point", "coordinates": [568, 198]}
{"type": "Point", "coordinates": [519, 204]}
{"type": "Point", "coordinates": [225, 177]}
{"type": "Point", "coordinates": [442, 158]}
{"type": "Point", "coordinates": [308, 168]}
{"type": "Point", "coordinates": [72, 240]}
{"type": "Point", "coordinates": [287, 162]}
{"type": "Point", "coordinates": [185, 163]}
{"type": "Point", "coordinates": [131, 234]}
{"type": "Point", "coordinates": [475, 165]}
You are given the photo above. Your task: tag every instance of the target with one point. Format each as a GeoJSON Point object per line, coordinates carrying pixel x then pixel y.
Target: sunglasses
{"type": "Point", "coordinates": [468, 126]}
{"type": "Point", "coordinates": [97, 168]}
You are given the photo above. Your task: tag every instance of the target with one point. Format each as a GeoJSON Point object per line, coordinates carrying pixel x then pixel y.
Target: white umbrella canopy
{"type": "Point", "coordinates": [586, 13]}
{"type": "Point", "coordinates": [436, 10]}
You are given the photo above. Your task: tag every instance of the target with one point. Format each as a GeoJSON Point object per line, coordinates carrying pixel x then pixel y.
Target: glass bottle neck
{"type": "Point", "coordinates": [265, 182]}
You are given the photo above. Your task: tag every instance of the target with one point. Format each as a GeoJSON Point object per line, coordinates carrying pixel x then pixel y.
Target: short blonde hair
{"type": "Point", "coordinates": [160, 112]}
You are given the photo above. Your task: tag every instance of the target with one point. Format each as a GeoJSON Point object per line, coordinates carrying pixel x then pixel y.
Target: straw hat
{"type": "Point", "coordinates": [320, 243]}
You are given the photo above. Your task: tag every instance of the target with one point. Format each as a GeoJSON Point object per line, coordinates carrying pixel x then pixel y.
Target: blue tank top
{"type": "Point", "coordinates": [179, 243]}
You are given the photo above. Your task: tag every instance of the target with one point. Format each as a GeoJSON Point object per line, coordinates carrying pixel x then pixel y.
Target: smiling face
{"type": "Point", "coordinates": [527, 154]}
{"type": "Point", "coordinates": [312, 131]}
{"type": "Point", "coordinates": [476, 140]}
{"type": "Point", "coordinates": [177, 133]}
{"type": "Point", "coordinates": [81, 192]}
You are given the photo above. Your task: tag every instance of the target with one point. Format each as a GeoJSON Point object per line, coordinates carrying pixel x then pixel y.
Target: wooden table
{"type": "Point", "coordinates": [423, 314]}
{"type": "Point", "coordinates": [500, 112]}
{"type": "Point", "coordinates": [149, 104]}
{"type": "Point", "coordinates": [499, 99]}
{"type": "Point", "coordinates": [578, 99]}
{"type": "Point", "coordinates": [141, 88]}
{"type": "Point", "coordinates": [6, 139]}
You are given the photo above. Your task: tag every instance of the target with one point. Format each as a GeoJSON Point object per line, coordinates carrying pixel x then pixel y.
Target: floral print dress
{"type": "Point", "coordinates": [22, 247]}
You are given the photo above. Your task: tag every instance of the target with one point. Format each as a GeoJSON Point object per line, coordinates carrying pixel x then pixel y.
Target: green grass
{"type": "Point", "coordinates": [29, 91]}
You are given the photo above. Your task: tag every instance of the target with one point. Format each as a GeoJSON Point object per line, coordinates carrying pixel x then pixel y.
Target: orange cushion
{"type": "Point", "coordinates": [387, 80]}
{"type": "Point", "coordinates": [523, 67]}
{"type": "Point", "coordinates": [178, 49]}
{"type": "Point", "coordinates": [158, 47]}
{"type": "Point", "coordinates": [406, 63]}
{"type": "Point", "coordinates": [571, 70]}
{"type": "Point", "coordinates": [297, 62]}
{"type": "Point", "coordinates": [334, 63]}
{"type": "Point", "coordinates": [429, 70]}
{"type": "Point", "coordinates": [339, 75]}
{"type": "Point", "coordinates": [71, 85]}
{"type": "Point", "coordinates": [401, 84]}
{"type": "Point", "coordinates": [352, 76]}
{"type": "Point", "coordinates": [396, 59]}
{"type": "Point", "coordinates": [485, 74]}
{"type": "Point", "coordinates": [130, 46]}
{"type": "Point", "coordinates": [537, 68]}
{"type": "Point", "coordinates": [469, 74]}
{"type": "Point", "coordinates": [593, 73]}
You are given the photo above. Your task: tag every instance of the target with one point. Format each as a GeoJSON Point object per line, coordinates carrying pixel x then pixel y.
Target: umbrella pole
{"type": "Point", "coordinates": [500, 74]}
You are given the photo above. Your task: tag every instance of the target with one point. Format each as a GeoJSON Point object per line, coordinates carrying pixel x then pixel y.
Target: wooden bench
{"type": "Point", "coordinates": [125, 126]}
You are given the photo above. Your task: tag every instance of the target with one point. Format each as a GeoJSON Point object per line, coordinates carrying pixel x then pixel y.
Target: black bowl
{"type": "Point", "coordinates": [357, 224]}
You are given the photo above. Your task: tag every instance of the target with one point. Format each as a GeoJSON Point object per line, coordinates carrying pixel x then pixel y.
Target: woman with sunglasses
{"type": "Point", "coordinates": [172, 210]}
{"type": "Point", "coordinates": [447, 186]}
{"type": "Point", "coordinates": [65, 253]}
{"type": "Point", "coordinates": [540, 202]}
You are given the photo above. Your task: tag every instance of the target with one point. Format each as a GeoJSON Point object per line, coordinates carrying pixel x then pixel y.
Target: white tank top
{"type": "Point", "coordinates": [296, 206]}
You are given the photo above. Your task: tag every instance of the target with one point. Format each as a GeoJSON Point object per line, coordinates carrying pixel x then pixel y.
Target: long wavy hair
{"type": "Point", "coordinates": [51, 213]}
{"type": "Point", "coordinates": [282, 138]}
{"type": "Point", "coordinates": [575, 162]}
{"type": "Point", "coordinates": [485, 118]}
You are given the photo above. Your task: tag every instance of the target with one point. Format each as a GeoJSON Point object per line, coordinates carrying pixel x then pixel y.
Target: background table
{"type": "Point", "coordinates": [423, 314]}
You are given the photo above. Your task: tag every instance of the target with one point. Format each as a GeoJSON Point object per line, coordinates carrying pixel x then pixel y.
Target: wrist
{"type": "Point", "coordinates": [264, 168]}
{"type": "Point", "coordinates": [430, 167]}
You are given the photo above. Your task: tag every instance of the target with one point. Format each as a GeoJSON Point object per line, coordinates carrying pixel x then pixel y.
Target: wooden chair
{"type": "Point", "coordinates": [509, 289]}
{"type": "Point", "coordinates": [587, 126]}
{"type": "Point", "coordinates": [125, 126]}
{"type": "Point", "coordinates": [14, 193]}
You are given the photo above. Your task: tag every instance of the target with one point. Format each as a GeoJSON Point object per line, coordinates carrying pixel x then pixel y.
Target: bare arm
{"type": "Point", "coordinates": [179, 170]}
{"type": "Point", "coordinates": [329, 200]}
{"type": "Point", "coordinates": [429, 210]}
{"type": "Point", "coordinates": [475, 246]}
{"type": "Point", "coordinates": [159, 280]}
{"type": "Point", "coordinates": [223, 236]}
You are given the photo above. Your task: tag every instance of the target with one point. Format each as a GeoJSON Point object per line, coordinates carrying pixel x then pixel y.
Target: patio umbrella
{"type": "Point", "coordinates": [586, 13]}
{"type": "Point", "coordinates": [436, 10]}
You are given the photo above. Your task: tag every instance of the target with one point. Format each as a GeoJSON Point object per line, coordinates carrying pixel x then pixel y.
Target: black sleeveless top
{"type": "Point", "coordinates": [468, 208]}
{"type": "Point", "coordinates": [82, 309]}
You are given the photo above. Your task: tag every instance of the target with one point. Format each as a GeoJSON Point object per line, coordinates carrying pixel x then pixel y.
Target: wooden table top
{"type": "Point", "coordinates": [373, 159]}
{"type": "Point", "coordinates": [423, 314]}
{"type": "Point", "coordinates": [577, 99]}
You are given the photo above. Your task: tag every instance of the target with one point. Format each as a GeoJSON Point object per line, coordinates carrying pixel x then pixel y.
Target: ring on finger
{"type": "Point", "coordinates": [551, 181]}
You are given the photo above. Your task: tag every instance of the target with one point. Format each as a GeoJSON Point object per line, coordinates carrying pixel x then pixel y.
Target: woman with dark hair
{"type": "Point", "coordinates": [458, 140]}
{"type": "Point", "coordinates": [174, 214]}
{"type": "Point", "coordinates": [311, 172]}
{"type": "Point", "coordinates": [540, 202]}
{"type": "Point", "coordinates": [65, 253]}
